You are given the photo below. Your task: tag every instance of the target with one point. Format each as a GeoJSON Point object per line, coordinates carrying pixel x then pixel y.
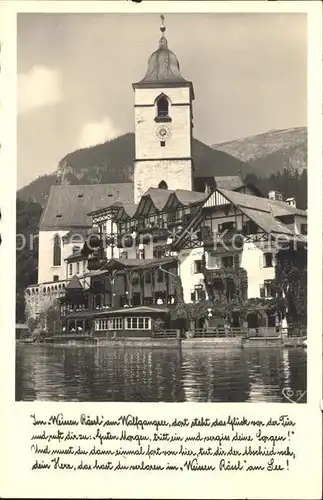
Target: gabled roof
{"type": "Point", "coordinates": [82, 232]}
{"type": "Point", "coordinates": [158, 196]}
{"type": "Point", "coordinates": [74, 284]}
{"type": "Point", "coordinates": [68, 206]}
{"type": "Point", "coordinates": [266, 221]}
{"type": "Point", "coordinates": [277, 208]}
{"type": "Point", "coordinates": [126, 211]}
{"type": "Point", "coordinates": [105, 208]}
{"type": "Point", "coordinates": [185, 198]}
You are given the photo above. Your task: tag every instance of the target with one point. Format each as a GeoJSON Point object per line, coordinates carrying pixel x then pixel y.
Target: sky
{"type": "Point", "coordinates": [75, 75]}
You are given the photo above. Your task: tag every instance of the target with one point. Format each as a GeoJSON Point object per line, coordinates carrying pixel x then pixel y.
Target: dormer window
{"type": "Point", "coordinates": [162, 185]}
{"type": "Point", "coordinates": [162, 109]}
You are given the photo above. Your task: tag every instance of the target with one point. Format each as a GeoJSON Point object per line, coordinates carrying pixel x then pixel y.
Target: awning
{"type": "Point", "coordinates": [123, 311]}
{"type": "Point", "coordinates": [91, 274]}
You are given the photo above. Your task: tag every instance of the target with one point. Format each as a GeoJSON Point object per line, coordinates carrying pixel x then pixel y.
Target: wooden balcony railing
{"type": "Point", "coordinates": [220, 332]}
{"type": "Point", "coordinates": [166, 334]}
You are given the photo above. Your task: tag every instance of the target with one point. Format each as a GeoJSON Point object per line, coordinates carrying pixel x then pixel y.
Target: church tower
{"type": "Point", "coordinates": [163, 124]}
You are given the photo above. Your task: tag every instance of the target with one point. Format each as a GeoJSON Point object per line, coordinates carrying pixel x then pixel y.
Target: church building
{"type": "Point", "coordinates": [122, 258]}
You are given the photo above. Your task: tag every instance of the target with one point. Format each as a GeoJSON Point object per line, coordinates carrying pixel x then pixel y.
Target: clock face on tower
{"type": "Point", "coordinates": [163, 133]}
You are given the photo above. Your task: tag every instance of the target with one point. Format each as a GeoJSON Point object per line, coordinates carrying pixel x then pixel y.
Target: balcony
{"type": "Point", "coordinates": [228, 239]}
{"type": "Point", "coordinates": [144, 236]}
{"type": "Point", "coordinates": [228, 283]}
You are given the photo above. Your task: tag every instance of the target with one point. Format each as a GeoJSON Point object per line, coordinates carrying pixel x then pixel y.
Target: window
{"type": "Point", "coordinates": [136, 299]}
{"type": "Point", "coordinates": [70, 269]}
{"type": "Point", "coordinates": [227, 261]}
{"type": "Point", "coordinates": [304, 229]}
{"type": "Point", "coordinates": [140, 323]}
{"type": "Point", "coordinates": [135, 280]}
{"type": "Point", "coordinates": [250, 228]}
{"type": "Point", "coordinates": [140, 254]}
{"type": "Point", "coordinates": [225, 226]}
{"type": "Point", "coordinates": [268, 260]}
{"type": "Point", "coordinates": [271, 320]}
{"type": "Point", "coordinates": [158, 253]}
{"type": "Point", "coordinates": [77, 268]}
{"type": "Point", "coordinates": [148, 277]}
{"type": "Point", "coordinates": [123, 255]}
{"type": "Point", "coordinates": [230, 288]}
{"type": "Point", "coordinates": [55, 277]}
{"type": "Point", "coordinates": [197, 294]}
{"type": "Point", "coordinates": [198, 266]}
{"type": "Point", "coordinates": [162, 144]}
{"type": "Point", "coordinates": [162, 185]}
{"type": "Point", "coordinates": [109, 324]}
{"type": "Point", "coordinates": [57, 251]}
{"type": "Point", "coordinates": [115, 324]}
{"type": "Point", "coordinates": [269, 288]}
{"type": "Point", "coordinates": [160, 276]}
{"type": "Point", "coordinates": [200, 293]}
{"type": "Point", "coordinates": [162, 107]}
{"type": "Point", "coordinates": [218, 284]}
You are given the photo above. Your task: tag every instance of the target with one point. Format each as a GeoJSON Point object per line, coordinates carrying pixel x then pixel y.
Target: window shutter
{"type": "Point", "coordinates": [261, 261]}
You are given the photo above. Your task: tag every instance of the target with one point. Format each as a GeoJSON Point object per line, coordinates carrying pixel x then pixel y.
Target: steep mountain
{"type": "Point", "coordinates": [112, 162]}
{"type": "Point", "coordinates": [271, 152]}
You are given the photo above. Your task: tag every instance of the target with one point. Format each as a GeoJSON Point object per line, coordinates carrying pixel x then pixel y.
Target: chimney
{"type": "Point", "coordinates": [291, 202]}
{"type": "Point", "coordinates": [275, 195]}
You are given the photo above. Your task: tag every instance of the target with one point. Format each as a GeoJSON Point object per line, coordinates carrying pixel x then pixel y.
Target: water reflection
{"type": "Point", "coordinates": [73, 373]}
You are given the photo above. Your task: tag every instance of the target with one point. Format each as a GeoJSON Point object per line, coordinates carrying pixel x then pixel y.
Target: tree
{"type": "Point", "coordinates": [27, 220]}
{"type": "Point", "coordinates": [290, 182]}
{"type": "Point", "coordinates": [291, 283]}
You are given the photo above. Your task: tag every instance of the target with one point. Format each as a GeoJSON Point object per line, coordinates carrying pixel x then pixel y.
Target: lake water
{"type": "Point", "coordinates": [70, 373]}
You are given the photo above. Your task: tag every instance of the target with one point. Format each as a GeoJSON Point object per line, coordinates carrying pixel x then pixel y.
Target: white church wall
{"type": "Point", "coordinates": [177, 144]}
{"type": "Point", "coordinates": [46, 270]}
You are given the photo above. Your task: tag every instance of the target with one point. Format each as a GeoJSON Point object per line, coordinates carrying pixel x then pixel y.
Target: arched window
{"type": "Point", "coordinates": [57, 251]}
{"type": "Point", "coordinates": [162, 106]}
{"type": "Point", "coordinates": [162, 185]}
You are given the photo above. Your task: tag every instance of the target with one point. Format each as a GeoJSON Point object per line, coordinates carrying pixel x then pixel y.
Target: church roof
{"type": "Point", "coordinates": [229, 182]}
{"type": "Point", "coordinates": [69, 206]}
{"type": "Point", "coordinates": [163, 67]}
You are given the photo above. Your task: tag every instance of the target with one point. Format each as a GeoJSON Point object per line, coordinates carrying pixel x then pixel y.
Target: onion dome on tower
{"type": "Point", "coordinates": [163, 67]}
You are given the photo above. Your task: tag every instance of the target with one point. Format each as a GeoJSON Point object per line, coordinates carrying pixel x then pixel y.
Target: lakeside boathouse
{"type": "Point", "coordinates": [124, 260]}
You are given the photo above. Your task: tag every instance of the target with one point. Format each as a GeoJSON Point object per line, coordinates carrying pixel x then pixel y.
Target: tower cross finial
{"type": "Point", "coordinates": [162, 27]}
